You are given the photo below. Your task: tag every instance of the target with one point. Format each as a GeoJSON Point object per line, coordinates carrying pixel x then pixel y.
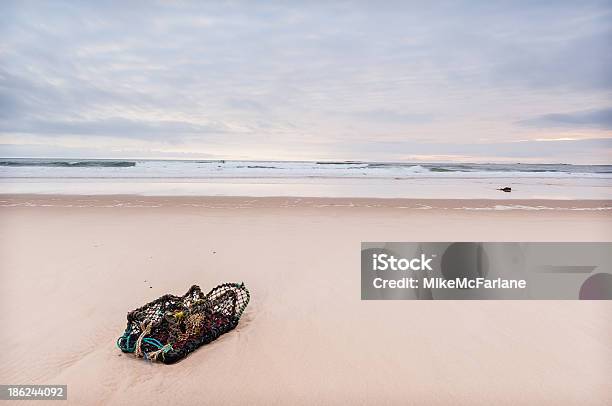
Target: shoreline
{"type": "Point", "coordinates": [133, 200]}
{"type": "Point", "coordinates": [553, 188]}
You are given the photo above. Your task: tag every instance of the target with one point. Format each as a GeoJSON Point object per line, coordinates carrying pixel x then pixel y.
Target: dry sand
{"type": "Point", "coordinates": [71, 268]}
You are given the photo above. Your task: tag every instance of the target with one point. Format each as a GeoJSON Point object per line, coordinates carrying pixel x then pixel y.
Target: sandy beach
{"type": "Point", "coordinates": [417, 196]}
{"type": "Point", "coordinates": [73, 266]}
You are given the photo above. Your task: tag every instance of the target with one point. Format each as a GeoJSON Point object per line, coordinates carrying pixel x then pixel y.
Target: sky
{"type": "Point", "coordinates": [507, 81]}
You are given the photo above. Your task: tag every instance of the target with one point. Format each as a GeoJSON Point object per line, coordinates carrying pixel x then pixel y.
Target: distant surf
{"type": "Point", "coordinates": [117, 168]}
{"type": "Point", "coordinates": [349, 179]}
{"type": "Point", "coordinates": [66, 164]}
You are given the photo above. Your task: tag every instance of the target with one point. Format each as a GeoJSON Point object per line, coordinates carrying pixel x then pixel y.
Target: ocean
{"type": "Point", "coordinates": [105, 168]}
{"type": "Point", "coordinates": [297, 178]}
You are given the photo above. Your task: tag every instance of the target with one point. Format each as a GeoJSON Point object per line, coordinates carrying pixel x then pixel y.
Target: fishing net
{"type": "Point", "coordinates": [169, 328]}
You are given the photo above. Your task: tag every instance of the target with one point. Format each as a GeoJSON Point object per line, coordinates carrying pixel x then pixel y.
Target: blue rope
{"type": "Point", "coordinates": [152, 341]}
{"type": "Point", "coordinates": [157, 341]}
{"type": "Point", "coordinates": [126, 336]}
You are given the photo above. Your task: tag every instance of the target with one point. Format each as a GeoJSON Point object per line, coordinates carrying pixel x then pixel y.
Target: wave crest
{"type": "Point", "coordinates": [69, 164]}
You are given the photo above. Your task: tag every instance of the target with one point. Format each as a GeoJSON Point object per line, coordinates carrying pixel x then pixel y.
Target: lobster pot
{"type": "Point", "coordinates": [169, 328]}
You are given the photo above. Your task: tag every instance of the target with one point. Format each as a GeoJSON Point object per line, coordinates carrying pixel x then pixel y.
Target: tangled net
{"type": "Point", "coordinates": [169, 328]}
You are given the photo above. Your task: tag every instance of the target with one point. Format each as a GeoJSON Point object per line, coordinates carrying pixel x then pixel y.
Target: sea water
{"type": "Point", "coordinates": [305, 179]}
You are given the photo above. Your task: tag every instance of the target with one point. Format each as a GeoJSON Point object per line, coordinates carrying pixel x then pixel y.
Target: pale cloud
{"type": "Point", "coordinates": [599, 118]}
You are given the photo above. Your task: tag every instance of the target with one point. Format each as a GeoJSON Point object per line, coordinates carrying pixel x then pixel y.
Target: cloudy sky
{"type": "Point", "coordinates": [518, 81]}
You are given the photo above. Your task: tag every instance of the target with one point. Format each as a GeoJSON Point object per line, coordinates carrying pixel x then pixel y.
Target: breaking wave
{"type": "Point", "coordinates": [69, 164]}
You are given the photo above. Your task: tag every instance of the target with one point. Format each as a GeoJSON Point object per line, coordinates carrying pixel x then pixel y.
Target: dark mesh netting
{"type": "Point", "coordinates": [169, 328]}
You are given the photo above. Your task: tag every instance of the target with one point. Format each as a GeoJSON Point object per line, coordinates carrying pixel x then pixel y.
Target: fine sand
{"type": "Point", "coordinates": [72, 267]}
